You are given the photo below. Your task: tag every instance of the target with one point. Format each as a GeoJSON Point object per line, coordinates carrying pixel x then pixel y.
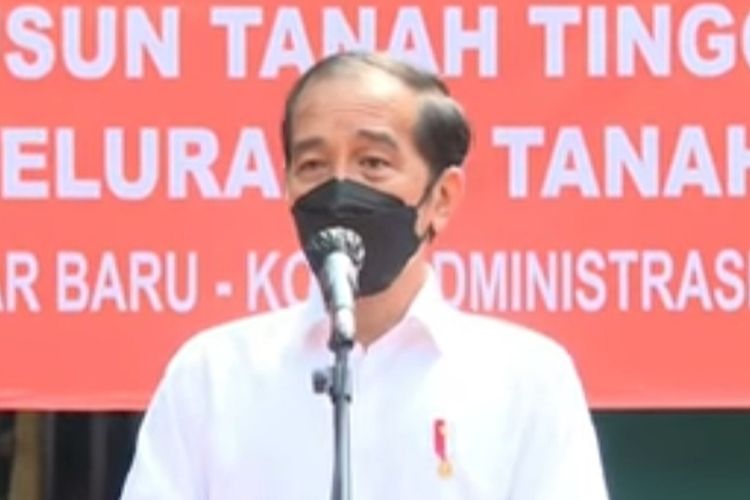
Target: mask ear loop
{"type": "Point", "coordinates": [430, 233]}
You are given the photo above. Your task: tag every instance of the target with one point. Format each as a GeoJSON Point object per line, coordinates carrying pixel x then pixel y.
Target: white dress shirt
{"type": "Point", "coordinates": [446, 405]}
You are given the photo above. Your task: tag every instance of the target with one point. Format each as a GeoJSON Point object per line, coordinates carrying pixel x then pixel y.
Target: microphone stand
{"type": "Point", "coordinates": [338, 255]}
{"type": "Point", "coordinates": [336, 382]}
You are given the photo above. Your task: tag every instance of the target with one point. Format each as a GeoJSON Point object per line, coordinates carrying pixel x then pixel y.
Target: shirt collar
{"type": "Point", "coordinates": [423, 320]}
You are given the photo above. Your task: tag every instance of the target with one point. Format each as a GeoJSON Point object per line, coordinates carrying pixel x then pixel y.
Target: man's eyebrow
{"type": "Point", "coordinates": [304, 145]}
{"type": "Point", "coordinates": [383, 138]}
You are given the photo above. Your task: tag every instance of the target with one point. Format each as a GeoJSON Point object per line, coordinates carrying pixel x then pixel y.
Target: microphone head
{"type": "Point", "coordinates": [335, 239]}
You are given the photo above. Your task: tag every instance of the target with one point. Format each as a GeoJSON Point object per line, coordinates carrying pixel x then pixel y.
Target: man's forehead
{"type": "Point", "coordinates": [383, 137]}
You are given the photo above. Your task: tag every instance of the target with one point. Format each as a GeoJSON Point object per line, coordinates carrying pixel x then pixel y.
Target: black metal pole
{"type": "Point", "coordinates": [342, 395]}
{"type": "Point", "coordinates": [336, 382]}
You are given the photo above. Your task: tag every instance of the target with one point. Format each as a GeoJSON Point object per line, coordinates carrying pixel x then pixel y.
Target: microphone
{"type": "Point", "coordinates": [336, 255]}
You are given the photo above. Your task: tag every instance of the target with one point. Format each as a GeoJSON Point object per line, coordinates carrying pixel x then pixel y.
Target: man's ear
{"type": "Point", "coordinates": [446, 196]}
{"type": "Point", "coordinates": [285, 192]}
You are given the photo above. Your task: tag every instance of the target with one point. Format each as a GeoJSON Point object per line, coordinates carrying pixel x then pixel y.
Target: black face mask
{"type": "Point", "coordinates": [385, 223]}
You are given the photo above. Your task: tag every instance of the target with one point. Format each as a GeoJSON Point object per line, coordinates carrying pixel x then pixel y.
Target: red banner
{"type": "Point", "coordinates": [142, 189]}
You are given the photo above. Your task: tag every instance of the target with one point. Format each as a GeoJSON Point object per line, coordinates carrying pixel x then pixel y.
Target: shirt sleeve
{"type": "Point", "coordinates": [559, 456]}
{"type": "Point", "coordinates": [168, 459]}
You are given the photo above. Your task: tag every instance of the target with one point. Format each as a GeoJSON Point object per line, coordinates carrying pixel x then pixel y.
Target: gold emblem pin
{"type": "Point", "coordinates": [445, 469]}
{"type": "Point", "coordinates": [440, 438]}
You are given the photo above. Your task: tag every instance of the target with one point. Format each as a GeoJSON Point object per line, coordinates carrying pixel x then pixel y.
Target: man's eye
{"type": "Point", "coordinates": [373, 162]}
{"type": "Point", "coordinates": [309, 165]}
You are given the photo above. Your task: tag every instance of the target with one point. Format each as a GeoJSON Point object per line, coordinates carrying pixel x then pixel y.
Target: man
{"type": "Point", "coordinates": [446, 405]}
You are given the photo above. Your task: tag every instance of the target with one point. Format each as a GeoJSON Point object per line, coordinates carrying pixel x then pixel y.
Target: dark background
{"type": "Point", "coordinates": [649, 455]}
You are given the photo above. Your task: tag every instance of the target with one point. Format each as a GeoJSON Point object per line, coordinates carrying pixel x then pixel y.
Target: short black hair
{"type": "Point", "coordinates": [441, 133]}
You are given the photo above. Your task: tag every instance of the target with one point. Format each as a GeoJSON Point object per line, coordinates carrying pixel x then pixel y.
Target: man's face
{"type": "Point", "coordinates": [357, 126]}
